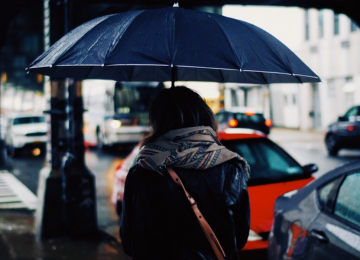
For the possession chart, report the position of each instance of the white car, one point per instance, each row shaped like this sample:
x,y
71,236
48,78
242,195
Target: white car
x,y
25,131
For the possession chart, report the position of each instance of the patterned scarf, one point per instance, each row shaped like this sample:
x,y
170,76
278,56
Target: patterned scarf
x,y
190,148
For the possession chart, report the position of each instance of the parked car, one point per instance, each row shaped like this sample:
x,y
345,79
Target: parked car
x,y
121,172
321,220
243,118
345,132
25,131
273,172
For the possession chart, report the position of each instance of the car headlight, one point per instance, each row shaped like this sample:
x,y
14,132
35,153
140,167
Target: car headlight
x,y
115,123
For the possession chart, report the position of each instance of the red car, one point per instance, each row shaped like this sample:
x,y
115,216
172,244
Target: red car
x,y
121,172
273,173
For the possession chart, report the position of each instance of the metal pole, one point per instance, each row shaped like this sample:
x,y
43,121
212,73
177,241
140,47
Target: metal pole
x,y
67,201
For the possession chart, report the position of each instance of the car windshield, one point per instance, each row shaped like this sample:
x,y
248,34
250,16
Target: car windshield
x,y
268,162
28,120
251,118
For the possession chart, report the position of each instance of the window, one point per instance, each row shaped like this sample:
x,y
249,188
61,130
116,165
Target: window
x,y
268,162
336,24
331,88
347,205
222,118
28,120
307,26
326,193
321,24
353,26
351,114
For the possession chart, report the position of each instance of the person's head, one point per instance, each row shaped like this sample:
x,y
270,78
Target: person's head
x,y
178,107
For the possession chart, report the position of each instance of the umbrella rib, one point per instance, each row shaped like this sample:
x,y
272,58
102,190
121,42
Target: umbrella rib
x,y
75,43
108,50
272,50
59,42
227,39
173,70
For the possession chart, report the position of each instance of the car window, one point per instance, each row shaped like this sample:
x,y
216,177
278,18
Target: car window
x,y
267,161
256,118
325,193
221,117
28,120
347,205
351,114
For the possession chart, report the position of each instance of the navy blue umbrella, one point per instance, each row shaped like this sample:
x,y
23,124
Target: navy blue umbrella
x,y
172,44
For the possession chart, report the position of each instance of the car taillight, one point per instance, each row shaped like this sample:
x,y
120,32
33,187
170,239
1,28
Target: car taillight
x,y
248,113
118,167
233,123
268,122
351,128
135,121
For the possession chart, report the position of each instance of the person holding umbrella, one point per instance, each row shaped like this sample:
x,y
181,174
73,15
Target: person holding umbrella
x,y
177,44
182,149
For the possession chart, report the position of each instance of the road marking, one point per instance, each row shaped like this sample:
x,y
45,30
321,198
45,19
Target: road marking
x,y
14,194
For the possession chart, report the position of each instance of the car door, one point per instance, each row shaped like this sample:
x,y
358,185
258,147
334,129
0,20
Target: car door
x,y
273,173
335,234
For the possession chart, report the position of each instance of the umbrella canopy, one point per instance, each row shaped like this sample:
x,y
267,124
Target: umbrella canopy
x,y
172,44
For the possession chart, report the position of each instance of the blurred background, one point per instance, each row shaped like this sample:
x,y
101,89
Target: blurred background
x,y
304,119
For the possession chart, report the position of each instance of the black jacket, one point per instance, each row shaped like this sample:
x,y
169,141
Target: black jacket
x,y
157,222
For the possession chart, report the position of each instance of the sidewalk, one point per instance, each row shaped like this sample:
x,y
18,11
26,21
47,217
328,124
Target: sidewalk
x,y
18,239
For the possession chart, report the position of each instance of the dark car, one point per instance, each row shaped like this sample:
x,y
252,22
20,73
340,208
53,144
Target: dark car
x,y
321,220
243,118
345,132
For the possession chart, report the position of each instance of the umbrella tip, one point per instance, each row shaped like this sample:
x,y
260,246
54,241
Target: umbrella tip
x,y
176,3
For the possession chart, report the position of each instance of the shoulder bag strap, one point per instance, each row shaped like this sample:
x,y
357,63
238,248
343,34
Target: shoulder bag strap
x,y
214,242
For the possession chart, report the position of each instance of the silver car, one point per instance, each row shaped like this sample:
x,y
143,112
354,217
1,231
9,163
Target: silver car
x,y
321,220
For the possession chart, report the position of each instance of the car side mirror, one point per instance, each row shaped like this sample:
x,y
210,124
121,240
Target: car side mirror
x,y
310,168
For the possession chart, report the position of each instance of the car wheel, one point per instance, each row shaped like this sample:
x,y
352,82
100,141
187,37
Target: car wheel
x,y
332,145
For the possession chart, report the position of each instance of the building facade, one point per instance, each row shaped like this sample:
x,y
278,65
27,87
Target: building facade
x,y
330,46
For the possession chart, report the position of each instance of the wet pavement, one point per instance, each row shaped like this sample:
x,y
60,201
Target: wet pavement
x,y
19,240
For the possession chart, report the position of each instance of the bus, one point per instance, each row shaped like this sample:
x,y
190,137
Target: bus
x,y
116,113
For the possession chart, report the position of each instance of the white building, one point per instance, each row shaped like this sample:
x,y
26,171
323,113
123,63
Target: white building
x,y
328,43
331,47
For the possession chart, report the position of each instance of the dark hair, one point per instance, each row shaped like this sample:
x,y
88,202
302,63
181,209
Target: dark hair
x,y
178,107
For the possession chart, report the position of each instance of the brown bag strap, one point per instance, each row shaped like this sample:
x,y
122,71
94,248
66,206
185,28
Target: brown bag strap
x,y
214,242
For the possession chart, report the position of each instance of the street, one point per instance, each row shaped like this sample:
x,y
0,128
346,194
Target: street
x,y
309,147
305,148
309,150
